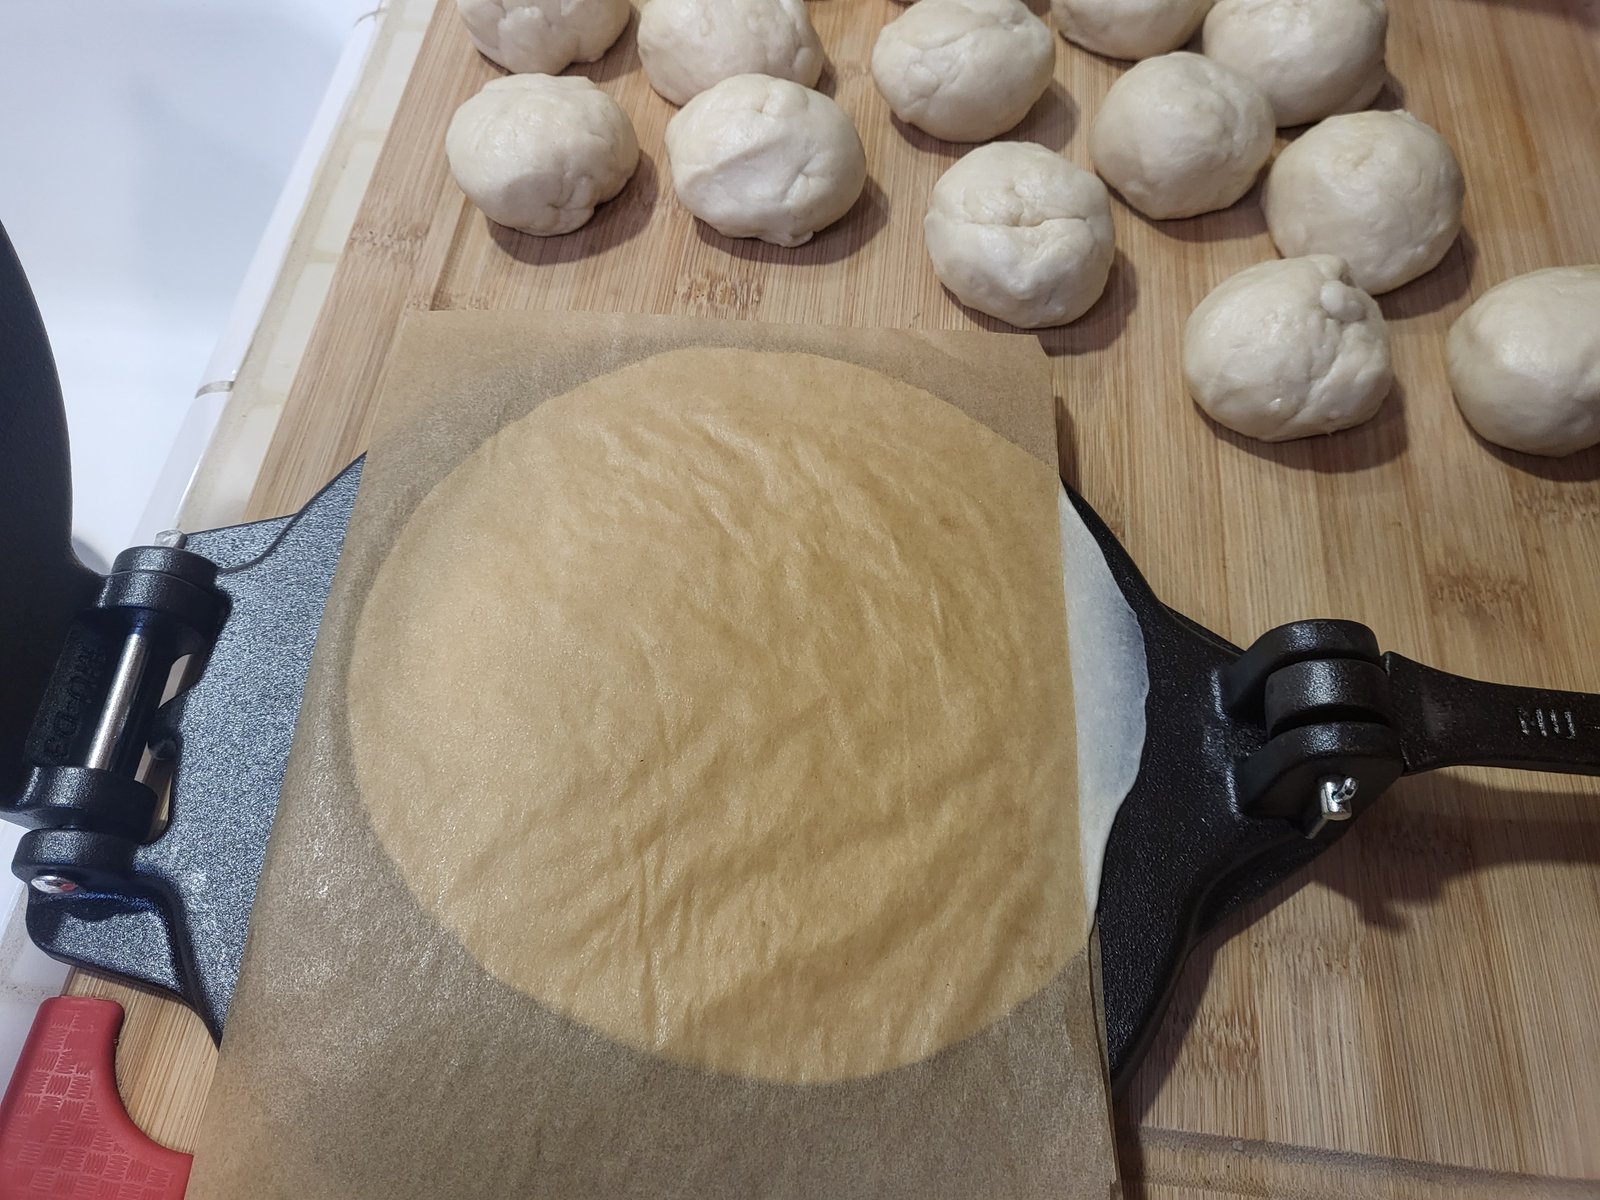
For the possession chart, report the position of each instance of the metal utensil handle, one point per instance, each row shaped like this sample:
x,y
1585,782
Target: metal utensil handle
x,y
1447,720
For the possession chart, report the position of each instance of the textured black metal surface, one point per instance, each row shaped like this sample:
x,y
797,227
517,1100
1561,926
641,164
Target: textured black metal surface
x,y
1449,720
179,917
60,796
1326,690
1181,855
1244,680
42,585
1282,779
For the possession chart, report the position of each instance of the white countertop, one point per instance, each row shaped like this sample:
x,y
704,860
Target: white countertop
x,y
156,158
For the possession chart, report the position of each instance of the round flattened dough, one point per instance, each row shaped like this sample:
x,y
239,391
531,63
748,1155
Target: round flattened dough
x,y
686,46
1312,58
760,157
1524,361
1180,135
1380,190
543,37
1129,28
654,617
963,70
538,152
1018,232
1288,349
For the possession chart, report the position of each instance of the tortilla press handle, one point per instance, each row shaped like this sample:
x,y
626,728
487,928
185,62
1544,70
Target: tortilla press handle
x,y
1449,720
63,1130
1255,764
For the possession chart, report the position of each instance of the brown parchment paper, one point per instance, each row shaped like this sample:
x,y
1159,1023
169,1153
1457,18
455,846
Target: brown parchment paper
x,y
370,1053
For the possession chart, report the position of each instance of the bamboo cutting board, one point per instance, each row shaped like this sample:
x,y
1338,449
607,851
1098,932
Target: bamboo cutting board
x,y
1419,1015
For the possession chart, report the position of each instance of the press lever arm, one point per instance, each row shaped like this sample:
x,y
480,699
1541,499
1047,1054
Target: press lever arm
x,y
1446,720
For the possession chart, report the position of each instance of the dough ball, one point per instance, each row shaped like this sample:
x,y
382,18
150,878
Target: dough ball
x,y
1287,349
1018,232
1524,361
1379,189
1312,58
1129,28
543,37
964,70
759,157
1181,135
688,45
538,152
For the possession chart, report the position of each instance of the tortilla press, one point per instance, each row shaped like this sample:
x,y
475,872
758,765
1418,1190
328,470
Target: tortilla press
x,y
1255,762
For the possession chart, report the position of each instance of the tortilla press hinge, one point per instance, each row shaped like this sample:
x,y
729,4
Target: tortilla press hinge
x,y
1343,722
1319,692
85,807
167,903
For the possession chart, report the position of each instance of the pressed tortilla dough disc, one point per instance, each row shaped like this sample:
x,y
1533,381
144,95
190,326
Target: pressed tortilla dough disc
x,y
736,726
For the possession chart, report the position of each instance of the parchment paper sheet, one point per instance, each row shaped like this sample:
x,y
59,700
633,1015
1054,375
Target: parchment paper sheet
x,y
367,1055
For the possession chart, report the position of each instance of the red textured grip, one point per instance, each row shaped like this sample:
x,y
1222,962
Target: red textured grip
x,y
64,1134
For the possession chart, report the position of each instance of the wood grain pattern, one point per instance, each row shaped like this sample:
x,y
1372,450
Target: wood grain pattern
x,y
1417,1016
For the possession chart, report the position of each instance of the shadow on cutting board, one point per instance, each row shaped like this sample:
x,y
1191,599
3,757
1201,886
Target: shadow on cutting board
x,y
618,62
837,242
1423,834
1095,330
1439,288
1370,444
1051,122
616,221
1576,11
1582,467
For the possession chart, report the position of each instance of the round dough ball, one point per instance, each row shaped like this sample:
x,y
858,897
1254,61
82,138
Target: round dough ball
x,y
543,37
760,157
688,45
1018,232
538,152
1129,28
1287,349
1312,58
1181,135
963,70
1381,190
1524,361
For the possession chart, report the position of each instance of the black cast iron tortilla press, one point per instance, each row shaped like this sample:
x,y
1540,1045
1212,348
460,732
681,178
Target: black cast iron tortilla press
x,y
1254,761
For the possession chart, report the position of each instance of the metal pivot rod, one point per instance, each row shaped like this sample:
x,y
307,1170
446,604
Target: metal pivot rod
x,y
86,808
125,682
113,723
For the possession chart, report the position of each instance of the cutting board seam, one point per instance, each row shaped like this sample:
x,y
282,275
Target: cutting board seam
x,y
1214,1162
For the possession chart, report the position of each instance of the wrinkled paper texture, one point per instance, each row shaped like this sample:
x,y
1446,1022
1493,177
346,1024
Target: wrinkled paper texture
x,y
669,813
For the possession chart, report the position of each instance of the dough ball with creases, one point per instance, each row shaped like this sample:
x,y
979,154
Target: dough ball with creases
x,y
1288,349
1181,135
538,152
1381,190
1129,28
963,70
688,45
1524,361
1313,58
1018,232
543,37
766,158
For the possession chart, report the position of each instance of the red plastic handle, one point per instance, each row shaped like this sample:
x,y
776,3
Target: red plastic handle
x,y
64,1134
